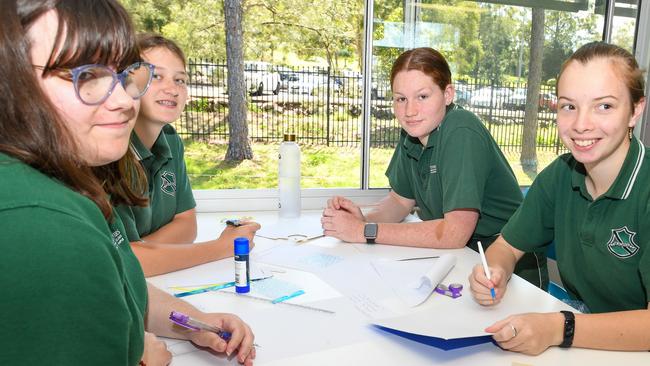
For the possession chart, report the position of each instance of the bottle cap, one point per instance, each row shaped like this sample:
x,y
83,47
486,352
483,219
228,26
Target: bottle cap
x,y
241,246
289,137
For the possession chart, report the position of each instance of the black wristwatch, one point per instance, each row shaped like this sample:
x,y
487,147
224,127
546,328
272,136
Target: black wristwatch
x,y
370,232
569,328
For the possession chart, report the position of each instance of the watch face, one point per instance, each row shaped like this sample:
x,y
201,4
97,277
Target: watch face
x,y
370,230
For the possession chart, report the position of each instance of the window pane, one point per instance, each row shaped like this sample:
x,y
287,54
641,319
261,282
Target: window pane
x,y
302,76
488,45
624,23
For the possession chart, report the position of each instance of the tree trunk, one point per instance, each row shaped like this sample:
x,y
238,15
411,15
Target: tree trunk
x,y
528,157
239,147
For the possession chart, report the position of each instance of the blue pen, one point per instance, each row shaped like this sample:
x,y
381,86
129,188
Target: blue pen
x,y
190,323
287,297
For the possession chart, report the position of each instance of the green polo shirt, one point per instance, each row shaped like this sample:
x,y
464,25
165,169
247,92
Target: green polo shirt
x,y
169,188
74,293
462,167
601,245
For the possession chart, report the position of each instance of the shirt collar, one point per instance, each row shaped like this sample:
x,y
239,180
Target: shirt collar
x,y
159,148
626,178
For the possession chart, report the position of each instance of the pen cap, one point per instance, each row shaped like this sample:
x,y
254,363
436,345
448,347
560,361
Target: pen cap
x,y
241,246
178,317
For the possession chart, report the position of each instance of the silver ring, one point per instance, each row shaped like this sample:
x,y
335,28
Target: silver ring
x,y
514,331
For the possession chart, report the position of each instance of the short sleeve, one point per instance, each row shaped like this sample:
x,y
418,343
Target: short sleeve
x,y
398,172
532,225
464,169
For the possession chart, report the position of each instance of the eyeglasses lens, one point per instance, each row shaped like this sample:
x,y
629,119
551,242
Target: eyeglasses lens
x,y
95,83
136,79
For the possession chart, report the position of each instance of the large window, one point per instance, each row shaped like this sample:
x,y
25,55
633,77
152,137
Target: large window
x,y
305,73
488,45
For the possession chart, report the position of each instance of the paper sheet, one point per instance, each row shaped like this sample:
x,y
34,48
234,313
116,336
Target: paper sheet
x,y
306,257
414,281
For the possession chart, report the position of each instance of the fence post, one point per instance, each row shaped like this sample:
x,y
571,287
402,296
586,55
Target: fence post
x,y
327,108
491,99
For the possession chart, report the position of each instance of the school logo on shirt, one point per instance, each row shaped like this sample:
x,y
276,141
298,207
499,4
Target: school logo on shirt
x,y
118,238
168,183
433,169
622,244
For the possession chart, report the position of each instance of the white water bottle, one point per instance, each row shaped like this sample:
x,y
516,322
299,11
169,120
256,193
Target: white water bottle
x,y
289,177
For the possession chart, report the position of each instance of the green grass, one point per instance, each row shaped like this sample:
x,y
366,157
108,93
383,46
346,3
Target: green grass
x,y
322,166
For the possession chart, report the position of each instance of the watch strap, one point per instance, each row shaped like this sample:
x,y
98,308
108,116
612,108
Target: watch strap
x,y
569,328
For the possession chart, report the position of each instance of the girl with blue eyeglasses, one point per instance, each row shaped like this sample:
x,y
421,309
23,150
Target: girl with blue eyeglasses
x,y
74,293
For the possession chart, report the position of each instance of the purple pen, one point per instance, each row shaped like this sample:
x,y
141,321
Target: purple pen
x,y
190,323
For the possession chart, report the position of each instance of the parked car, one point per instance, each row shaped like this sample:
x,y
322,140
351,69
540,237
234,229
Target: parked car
x,y
287,75
517,101
548,101
261,77
462,95
309,83
379,88
206,73
489,97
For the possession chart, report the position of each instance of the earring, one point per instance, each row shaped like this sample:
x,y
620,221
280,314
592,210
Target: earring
x,y
630,133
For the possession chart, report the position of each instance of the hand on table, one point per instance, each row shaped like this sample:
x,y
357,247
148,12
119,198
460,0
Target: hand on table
x,y
241,340
530,333
343,220
344,204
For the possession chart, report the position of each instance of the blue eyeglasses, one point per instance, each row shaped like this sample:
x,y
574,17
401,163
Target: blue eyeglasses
x,y
94,83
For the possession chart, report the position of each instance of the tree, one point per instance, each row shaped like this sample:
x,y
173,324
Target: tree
x,y
198,27
328,29
528,157
564,33
238,145
495,33
459,39
149,15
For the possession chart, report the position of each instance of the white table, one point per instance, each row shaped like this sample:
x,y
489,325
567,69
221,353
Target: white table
x,y
293,336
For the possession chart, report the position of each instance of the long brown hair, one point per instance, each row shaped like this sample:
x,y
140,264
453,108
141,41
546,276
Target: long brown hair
x,y
427,60
32,129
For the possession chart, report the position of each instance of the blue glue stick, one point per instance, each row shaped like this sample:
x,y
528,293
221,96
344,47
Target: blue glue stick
x,y
242,273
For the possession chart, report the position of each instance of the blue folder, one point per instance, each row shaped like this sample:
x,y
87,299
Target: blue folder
x,y
444,344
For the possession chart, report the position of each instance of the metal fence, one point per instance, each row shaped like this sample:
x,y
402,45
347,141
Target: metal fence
x,y
323,107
